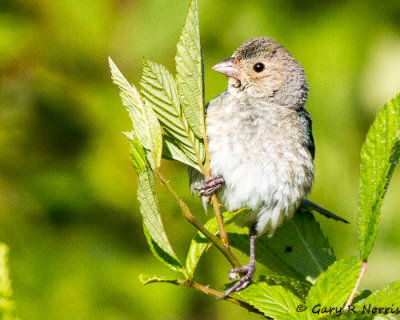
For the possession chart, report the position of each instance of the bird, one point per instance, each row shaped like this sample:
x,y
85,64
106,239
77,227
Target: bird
x,y
260,143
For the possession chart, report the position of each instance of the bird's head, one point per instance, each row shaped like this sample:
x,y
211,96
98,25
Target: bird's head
x,y
262,69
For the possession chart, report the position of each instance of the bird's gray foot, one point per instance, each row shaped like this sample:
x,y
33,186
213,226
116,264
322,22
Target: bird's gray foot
x,y
244,282
210,186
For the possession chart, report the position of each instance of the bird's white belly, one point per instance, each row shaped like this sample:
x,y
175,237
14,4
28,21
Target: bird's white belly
x,y
260,173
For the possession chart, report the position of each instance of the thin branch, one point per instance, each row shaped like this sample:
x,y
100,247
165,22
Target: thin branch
x,y
191,218
214,200
355,289
218,294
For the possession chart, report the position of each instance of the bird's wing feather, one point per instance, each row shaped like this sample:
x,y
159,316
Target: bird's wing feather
x,y
196,179
312,206
307,123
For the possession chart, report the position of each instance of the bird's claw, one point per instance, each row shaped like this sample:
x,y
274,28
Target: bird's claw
x,y
210,186
244,282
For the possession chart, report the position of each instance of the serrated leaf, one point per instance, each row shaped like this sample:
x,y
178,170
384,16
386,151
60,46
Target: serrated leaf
x,y
152,278
138,154
160,92
333,287
168,258
171,151
145,124
152,224
200,243
189,69
379,156
274,301
388,296
155,137
298,249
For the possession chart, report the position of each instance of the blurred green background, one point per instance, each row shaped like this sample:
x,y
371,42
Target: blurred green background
x,y
67,193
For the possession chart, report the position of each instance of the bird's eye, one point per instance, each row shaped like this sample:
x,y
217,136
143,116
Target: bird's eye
x,y
258,67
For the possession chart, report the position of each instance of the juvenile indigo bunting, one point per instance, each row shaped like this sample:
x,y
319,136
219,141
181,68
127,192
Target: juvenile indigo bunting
x,y
261,146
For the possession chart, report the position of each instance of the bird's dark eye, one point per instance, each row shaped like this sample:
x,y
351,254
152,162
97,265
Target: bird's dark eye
x,y
258,67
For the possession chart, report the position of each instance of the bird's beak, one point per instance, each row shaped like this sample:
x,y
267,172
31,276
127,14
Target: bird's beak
x,y
228,68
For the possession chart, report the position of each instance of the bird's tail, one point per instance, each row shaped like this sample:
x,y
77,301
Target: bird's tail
x,y
312,206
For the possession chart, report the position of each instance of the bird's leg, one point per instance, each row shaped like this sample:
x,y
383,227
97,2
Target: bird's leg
x,y
248,269
211,185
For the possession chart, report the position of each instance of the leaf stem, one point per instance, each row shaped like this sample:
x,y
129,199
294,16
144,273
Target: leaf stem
x,y
190,217
355,289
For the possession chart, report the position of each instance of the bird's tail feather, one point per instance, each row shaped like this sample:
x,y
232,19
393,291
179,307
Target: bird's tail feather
x,y
312,206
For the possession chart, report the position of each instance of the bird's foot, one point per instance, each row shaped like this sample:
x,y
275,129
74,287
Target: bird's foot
x,y
210,186
244,282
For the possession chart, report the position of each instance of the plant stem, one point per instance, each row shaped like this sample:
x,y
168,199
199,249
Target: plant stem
x,y
191,218
214,200
218,294
355,289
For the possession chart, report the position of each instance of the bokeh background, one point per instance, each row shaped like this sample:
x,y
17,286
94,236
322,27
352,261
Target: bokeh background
x,y
67,193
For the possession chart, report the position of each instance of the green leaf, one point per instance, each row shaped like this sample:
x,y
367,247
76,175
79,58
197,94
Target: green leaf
x,y
200,243
172,151
344,315
129,135
333,287
152,278
298,249
168,258
361,316
7,306
362,294
152,224
299,288
160,92
274,301
368,308
138,155
145,124
379,156
189,69
388,296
